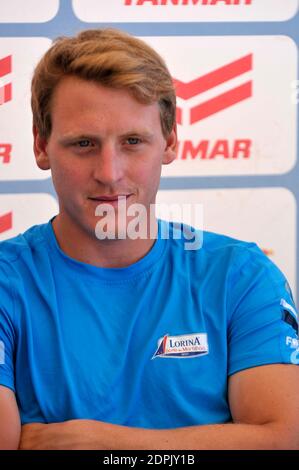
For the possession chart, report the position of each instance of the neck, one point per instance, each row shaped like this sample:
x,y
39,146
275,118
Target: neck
x,y
86,248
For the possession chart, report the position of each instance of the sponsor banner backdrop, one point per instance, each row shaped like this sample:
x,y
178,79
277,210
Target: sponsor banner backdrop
x,y
184,10
235,111
18,212
28,11
235,67
266,216
16,155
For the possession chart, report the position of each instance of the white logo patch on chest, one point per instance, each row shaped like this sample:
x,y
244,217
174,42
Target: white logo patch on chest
x,y
182,346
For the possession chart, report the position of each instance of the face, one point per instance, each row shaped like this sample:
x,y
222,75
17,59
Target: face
x,y
103,145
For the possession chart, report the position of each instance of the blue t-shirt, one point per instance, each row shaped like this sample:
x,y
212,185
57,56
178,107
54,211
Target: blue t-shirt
x,y
150,345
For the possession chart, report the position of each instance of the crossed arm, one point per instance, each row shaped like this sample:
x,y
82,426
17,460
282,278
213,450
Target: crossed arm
x,y
263,402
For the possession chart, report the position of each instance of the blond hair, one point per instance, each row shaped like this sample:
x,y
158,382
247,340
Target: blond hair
x,y
110,57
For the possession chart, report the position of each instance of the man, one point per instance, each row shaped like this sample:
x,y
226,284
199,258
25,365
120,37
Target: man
x,y
112,341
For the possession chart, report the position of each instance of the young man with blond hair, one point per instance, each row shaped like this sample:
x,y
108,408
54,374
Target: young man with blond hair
x,y
112,341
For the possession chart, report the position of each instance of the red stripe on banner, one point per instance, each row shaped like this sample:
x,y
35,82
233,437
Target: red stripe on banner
x,y
5,66
213,79
6,93
221,102
5,222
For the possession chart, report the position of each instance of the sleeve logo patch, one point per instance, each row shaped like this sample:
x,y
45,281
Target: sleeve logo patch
x,y
182,346
289,315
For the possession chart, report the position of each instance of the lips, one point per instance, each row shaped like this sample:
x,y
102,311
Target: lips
x,y
110,198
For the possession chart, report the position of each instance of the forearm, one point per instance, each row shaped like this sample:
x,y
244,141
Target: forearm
x,y
97,435
224,436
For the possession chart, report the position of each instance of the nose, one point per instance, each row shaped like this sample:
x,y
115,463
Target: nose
x,y
109,165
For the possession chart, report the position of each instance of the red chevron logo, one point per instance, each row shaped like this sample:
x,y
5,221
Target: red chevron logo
x,y
5,69
5,222
211,80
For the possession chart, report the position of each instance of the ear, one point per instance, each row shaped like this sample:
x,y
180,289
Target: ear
x,y
40,150
170,152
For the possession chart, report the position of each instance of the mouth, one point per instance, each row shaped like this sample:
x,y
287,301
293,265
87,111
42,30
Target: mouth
x,y
114,199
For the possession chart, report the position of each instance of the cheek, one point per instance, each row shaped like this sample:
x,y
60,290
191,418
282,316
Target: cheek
x,y
66,180
148,180
67,173
148,172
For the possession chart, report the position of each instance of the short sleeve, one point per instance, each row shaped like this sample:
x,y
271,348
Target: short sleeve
x,y
7,333
263,322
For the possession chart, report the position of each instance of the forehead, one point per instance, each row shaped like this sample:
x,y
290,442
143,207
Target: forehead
x,y
83,103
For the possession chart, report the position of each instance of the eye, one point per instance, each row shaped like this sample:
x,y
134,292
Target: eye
x,y
133,140
83,143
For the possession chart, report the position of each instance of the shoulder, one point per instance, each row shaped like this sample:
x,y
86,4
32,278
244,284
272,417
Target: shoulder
x,y
13,249
19,257
205,243
245,261
221,255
